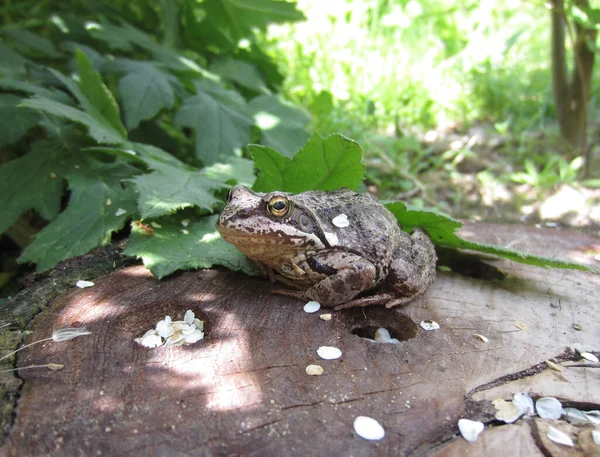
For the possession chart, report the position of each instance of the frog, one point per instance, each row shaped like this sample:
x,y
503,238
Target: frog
x,y
339,248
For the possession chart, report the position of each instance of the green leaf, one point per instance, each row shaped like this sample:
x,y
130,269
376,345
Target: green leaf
x,y
221,126
176,247
240,72
144,93
36,89
98,94
234,169
101,132
322,164
283,125
98,206
30,41
168,189
15,121
441,228
127,37
11,63
34,181
238,18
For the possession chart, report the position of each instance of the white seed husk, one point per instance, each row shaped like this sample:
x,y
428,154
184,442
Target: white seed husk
x,y
506,411
469,429
312,307
314,370
559,437
368,428
329,352
590,357
325,317
83,284
596,437
548,408
524,403
429,325
341,220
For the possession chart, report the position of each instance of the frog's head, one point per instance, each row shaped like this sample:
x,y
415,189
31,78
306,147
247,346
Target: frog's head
x,y
270,228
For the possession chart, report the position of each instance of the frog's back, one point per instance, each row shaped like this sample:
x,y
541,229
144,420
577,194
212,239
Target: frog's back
x,y
372,231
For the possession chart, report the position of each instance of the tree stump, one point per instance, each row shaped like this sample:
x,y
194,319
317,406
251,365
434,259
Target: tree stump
x,y
243,389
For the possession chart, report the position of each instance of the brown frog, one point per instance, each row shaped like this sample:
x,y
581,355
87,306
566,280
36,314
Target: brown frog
x,y
330,246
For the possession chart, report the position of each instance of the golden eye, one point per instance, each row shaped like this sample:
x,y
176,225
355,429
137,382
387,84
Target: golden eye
x,y
278,206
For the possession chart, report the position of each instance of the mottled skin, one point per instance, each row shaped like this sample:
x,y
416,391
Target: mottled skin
x,y
301,247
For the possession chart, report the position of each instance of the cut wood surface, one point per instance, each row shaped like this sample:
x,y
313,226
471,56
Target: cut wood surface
x,y
243,390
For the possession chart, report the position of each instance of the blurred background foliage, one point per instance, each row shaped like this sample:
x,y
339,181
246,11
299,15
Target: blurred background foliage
x,y
452,102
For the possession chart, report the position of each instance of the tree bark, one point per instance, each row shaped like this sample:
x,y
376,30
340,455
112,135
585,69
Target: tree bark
x,y
571,96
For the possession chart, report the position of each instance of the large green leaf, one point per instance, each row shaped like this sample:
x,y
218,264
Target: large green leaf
x,y
100,131
15,120
31,42
144,92
221,124
441,228
11,63
182,244
240,72
98,206
100,97
169,189
283,125
322,164
237,19
34,181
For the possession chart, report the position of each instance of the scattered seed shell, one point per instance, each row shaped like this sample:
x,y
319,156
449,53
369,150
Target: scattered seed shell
x,y
312,307
590,357
325,317
341,221
83,284
331,238
368,428
429,325
329,353
575,417
596,437
559,437
481,337
524,403
521,326
553,366
506,411
469,429
55,366
314,370
120,212
593,416
382,335
549,408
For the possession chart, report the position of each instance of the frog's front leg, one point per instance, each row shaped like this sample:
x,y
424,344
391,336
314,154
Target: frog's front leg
x,y
348,275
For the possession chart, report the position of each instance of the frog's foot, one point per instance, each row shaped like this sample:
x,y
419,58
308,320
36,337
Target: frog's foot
x,y
378,299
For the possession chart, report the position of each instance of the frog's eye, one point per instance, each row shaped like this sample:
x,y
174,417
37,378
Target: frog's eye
x,y
278,206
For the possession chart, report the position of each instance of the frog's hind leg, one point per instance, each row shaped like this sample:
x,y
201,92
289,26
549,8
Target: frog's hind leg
x,y
378,299
412,277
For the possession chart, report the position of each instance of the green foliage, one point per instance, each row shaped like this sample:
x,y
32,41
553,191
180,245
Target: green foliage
x,y
551,172
98,206
65,86
442,230
322,164
180,243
